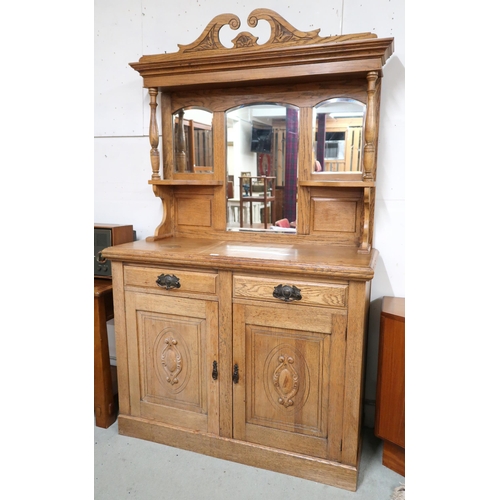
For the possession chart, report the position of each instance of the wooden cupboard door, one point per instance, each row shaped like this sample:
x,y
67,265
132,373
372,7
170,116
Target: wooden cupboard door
x,y
291,378
172,343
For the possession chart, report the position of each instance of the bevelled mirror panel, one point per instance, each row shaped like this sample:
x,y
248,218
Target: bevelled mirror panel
x,y
193,142
262,147
338,136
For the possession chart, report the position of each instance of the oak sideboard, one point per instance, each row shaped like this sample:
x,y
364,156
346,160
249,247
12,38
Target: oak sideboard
x,y
244,337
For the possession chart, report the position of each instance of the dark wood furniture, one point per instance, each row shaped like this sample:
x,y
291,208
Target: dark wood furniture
x,y
249,346
105,406
390,403
106,235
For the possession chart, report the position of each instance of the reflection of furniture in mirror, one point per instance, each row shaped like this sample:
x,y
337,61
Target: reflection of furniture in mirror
x,y
231,203
259,190
342,148
249,345
193,142
263,141
279,196
200,146
339,135
230,188
180,143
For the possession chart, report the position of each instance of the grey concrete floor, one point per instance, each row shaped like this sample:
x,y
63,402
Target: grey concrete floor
x,y
129,468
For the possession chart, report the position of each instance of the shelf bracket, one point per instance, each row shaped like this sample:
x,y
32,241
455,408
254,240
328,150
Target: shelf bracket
x,y
368,206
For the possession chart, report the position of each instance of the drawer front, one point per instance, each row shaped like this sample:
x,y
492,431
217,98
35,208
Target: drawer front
x,y
189,281
312,294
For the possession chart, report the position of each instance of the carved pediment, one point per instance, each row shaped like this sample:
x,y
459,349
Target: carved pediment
x,y
282,32
288,54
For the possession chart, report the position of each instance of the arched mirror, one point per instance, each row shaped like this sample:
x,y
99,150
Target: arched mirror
x,y
193,143
262,146
338,137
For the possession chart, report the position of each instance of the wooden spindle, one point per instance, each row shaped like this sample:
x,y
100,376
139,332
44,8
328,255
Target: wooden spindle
x,y
153,134
370,128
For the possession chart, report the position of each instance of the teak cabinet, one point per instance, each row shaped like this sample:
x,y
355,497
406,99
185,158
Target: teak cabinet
x,y
249,345
390,409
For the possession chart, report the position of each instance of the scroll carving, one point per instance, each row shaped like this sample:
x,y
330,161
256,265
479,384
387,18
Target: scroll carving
x,y
286,378
171,361
365,246
282,32
286,381
209,39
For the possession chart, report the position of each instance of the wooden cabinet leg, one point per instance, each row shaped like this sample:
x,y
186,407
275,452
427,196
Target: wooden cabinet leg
x,y
104,404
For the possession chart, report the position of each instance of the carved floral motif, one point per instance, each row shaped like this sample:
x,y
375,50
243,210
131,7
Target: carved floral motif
x,y
171,361
286,381
245,39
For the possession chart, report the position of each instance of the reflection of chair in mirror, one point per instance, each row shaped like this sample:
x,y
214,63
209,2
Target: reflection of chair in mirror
x,y
233,205
259,190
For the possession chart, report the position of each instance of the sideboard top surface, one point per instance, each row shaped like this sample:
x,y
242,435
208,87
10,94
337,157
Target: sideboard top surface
x,y
318,259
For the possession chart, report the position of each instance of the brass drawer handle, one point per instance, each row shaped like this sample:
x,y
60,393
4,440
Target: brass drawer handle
x,y
287,293
168,281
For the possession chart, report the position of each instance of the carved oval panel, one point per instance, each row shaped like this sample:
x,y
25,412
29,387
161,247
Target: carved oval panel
x,y
286,378
171,360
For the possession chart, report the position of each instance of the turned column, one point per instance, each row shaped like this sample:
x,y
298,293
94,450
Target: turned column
x,y
153,135
370,129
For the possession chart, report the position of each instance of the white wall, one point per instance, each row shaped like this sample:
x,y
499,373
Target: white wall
x,y
126,30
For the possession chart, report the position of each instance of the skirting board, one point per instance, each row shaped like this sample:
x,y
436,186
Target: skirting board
x,y
293,464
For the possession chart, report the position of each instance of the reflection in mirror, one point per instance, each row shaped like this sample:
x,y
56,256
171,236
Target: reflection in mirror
x,y
193,145
262,146
338,136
